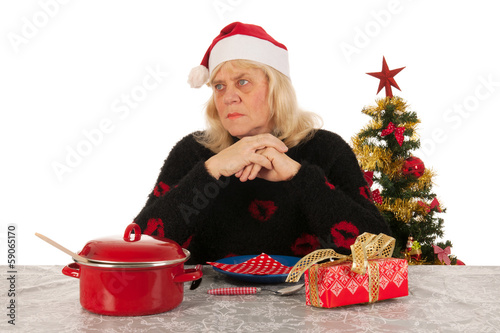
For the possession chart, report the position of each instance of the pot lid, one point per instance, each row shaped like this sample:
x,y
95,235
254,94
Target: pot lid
x,y
134,248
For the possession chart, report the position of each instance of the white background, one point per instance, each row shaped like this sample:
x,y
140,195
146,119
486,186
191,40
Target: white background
x,y
67,67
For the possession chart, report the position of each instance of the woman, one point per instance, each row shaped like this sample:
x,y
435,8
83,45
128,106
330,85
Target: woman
x,y
261,178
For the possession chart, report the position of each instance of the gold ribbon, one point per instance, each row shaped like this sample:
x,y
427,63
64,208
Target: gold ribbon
x,y
366,247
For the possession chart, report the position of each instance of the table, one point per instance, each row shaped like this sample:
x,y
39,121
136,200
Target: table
x,y
442,299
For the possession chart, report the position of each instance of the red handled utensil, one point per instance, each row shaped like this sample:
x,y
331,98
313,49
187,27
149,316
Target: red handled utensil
x,y
253,290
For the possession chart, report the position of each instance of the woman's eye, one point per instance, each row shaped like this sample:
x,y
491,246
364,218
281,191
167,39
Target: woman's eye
x,y
242,82
218,86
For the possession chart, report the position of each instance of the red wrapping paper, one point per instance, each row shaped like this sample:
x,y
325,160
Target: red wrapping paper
x,y
331,286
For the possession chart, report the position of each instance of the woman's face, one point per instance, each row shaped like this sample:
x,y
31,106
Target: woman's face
x,y
241,100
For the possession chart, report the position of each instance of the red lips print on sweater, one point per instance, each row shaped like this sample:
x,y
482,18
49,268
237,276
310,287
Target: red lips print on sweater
x,y
262,210
344,234
161,189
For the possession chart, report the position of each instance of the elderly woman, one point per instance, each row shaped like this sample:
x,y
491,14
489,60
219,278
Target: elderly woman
x,y
261,177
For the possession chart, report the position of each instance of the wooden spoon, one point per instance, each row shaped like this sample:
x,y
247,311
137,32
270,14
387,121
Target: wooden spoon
x,y
62,248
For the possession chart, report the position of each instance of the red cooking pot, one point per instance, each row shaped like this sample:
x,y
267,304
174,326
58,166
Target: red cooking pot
x,y
132,276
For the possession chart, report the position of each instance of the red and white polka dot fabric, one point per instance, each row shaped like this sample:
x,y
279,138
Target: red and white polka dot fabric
x,y
263,264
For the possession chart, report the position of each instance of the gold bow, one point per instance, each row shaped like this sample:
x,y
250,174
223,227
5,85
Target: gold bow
x,y
367,246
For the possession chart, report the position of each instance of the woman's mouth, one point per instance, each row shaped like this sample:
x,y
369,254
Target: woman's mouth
x,y
234,115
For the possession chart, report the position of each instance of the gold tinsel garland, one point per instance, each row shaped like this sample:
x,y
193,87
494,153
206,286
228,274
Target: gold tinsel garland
x,y
393,169
406,209
371,157
376,111
403,209
424,181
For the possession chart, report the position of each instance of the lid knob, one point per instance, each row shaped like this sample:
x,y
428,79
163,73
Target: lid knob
x,y
127,236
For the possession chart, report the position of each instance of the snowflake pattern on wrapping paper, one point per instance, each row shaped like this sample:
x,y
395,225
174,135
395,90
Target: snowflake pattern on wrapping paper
x,y
342,278
328,281
337,288
361,280
400,278
388,270
383,281
352,286
321,289
324,276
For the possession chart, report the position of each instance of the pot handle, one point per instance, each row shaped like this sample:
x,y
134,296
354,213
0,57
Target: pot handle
x,y
128,232
189,275
72,270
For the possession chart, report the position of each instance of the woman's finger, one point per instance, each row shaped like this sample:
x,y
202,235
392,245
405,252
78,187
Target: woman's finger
x,y
261,160
254,172
245,173
261,141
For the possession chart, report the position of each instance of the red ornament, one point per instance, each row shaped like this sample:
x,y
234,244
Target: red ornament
x,y
413,167
417,256
386,77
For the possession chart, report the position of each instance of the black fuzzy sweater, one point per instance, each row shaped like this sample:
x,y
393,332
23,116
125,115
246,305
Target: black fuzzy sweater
x,y
326,205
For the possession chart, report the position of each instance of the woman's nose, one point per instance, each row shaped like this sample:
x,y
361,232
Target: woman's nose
x,y
231,96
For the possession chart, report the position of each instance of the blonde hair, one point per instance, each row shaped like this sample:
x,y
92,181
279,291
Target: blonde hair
x,y
291,124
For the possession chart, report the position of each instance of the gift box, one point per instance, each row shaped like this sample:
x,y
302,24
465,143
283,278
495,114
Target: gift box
x,y
368,274
331,285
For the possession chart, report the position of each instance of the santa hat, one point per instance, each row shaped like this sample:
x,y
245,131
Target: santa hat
x,y
240,41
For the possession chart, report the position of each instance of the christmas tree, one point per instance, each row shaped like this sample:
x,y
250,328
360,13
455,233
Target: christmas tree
x,y
399,183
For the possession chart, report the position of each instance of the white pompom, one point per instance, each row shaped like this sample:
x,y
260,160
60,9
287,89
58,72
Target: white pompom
x,y
198,76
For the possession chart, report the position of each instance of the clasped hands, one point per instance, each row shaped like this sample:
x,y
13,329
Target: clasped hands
x,y
261,156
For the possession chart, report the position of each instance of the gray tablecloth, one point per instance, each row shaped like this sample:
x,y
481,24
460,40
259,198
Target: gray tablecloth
x,y
442,299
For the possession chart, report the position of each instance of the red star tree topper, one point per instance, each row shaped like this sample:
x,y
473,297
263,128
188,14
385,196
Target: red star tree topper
x,y
386,77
